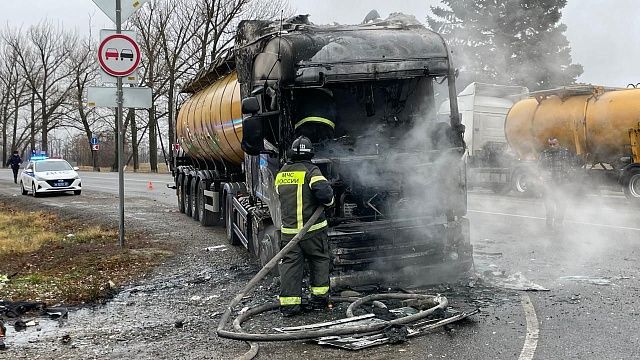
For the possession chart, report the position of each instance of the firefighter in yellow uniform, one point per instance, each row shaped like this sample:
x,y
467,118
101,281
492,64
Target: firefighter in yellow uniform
x,y
302,188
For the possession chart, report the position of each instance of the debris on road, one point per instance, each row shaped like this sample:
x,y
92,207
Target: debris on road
x,y
515,281
216,248
587,279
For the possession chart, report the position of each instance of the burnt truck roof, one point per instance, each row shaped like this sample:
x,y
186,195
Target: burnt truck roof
x,y
299,53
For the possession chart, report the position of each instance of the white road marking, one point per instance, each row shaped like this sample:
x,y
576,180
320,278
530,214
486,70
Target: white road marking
x,y
567,221
531,340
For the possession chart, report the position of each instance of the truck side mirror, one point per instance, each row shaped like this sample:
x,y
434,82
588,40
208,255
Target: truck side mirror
x,y
252,137
250,105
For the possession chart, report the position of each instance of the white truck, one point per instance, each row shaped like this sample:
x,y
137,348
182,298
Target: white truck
x,y
490,162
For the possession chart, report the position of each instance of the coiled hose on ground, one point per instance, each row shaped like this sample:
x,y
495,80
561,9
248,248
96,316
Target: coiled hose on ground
x,y
239,334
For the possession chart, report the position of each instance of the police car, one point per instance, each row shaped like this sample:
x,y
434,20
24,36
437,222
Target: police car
x,y
43,175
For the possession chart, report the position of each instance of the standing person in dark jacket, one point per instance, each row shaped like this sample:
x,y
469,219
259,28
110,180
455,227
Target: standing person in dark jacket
x,y
557,165
301,188
14,161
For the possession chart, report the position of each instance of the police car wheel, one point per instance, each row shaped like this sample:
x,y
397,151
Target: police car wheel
x,y
33,190
24,192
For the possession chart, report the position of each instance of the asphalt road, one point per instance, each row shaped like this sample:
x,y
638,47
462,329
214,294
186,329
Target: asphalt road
x,y
149,185
591,310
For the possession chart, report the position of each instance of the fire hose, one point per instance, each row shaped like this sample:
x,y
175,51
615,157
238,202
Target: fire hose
x,y
239,334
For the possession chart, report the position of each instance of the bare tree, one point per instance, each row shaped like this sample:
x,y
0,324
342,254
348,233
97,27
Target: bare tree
x,y
43,61
149,23
84,72
13,97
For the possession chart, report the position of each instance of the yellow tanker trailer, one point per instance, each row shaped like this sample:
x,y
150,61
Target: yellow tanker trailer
x,y
600,125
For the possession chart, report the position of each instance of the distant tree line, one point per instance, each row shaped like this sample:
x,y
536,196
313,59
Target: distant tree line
x,y
519,42
46,69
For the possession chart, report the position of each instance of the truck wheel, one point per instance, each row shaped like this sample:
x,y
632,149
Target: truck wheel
x,y
520,182
207,218
186,196
257,234
232,238
269,247
194,198
180,193
631,184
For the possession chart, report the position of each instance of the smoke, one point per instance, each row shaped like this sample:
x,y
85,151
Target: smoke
x,y
397,162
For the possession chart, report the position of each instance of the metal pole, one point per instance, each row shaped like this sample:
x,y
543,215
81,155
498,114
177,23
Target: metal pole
x,y
120,137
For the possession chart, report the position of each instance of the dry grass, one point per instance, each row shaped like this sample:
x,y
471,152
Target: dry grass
x,y
48,259
22,232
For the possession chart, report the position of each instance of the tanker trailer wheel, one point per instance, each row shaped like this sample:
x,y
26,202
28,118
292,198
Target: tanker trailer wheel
x,y
521,182
195,181
631,184
180,193
207,218
186,197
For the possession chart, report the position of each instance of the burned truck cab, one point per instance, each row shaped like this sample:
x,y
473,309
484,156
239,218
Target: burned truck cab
x,y
365,95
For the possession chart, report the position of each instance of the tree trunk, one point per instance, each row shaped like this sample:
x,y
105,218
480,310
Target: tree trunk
x,y
153,140
134,140
33,122
44,128
4,141
14,134
170,116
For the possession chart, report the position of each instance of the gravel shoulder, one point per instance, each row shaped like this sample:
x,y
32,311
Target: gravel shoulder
x,y
172,312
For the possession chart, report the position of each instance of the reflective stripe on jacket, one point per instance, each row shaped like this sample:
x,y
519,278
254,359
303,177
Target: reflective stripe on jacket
x,y
302,187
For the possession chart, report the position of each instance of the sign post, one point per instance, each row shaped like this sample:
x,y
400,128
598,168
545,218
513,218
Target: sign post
x,y
119,57
120,132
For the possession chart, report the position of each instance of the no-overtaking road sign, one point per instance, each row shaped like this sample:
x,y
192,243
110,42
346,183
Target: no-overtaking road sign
x,y
118,54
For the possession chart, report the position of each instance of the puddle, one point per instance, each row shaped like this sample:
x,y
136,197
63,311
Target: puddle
x,y
45,328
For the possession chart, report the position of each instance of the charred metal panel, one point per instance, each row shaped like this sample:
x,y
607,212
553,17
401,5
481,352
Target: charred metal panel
x,y
407,252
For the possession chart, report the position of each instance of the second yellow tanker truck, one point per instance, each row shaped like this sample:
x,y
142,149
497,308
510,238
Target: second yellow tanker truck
x,y
507,127
600,125
365,95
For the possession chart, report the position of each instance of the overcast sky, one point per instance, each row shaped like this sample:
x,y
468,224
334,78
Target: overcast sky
x,y
603,33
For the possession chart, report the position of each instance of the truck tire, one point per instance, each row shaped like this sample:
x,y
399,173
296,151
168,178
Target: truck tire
x,y
195,182
269,247
207,218
520,182
631,184
186,197
232,238
180,192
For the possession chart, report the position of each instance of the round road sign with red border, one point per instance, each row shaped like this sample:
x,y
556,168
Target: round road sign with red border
x,y
119,55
